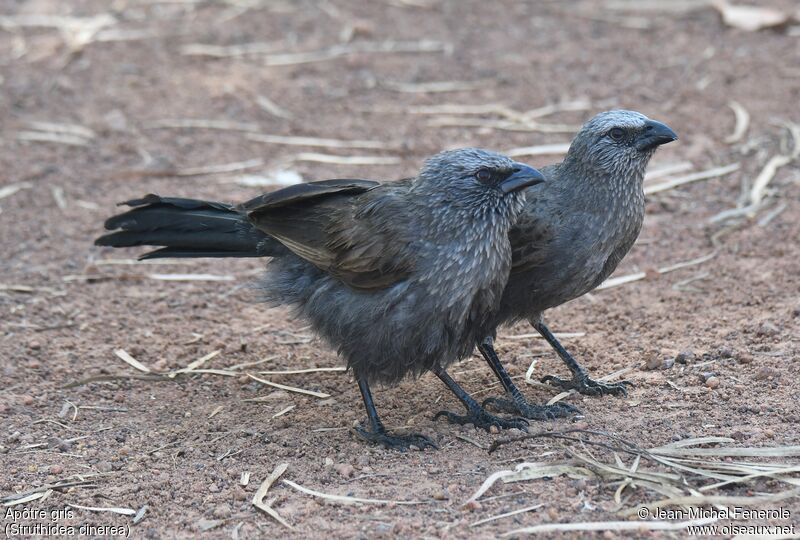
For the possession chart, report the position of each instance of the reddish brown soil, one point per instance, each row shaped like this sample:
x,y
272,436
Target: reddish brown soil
x,y
159,441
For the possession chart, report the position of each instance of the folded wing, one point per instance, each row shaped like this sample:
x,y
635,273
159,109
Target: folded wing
x,y
353,229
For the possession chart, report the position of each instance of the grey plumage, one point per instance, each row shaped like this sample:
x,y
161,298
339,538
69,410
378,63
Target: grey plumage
x,y
574,230
579,225
411,273
401,278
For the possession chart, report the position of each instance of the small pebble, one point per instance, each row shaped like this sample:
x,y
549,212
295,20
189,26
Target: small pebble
x,y
668,363
653,362
766,373
494,430
744,357
767,329
706,375
56,469
222,511
439,495
684,357
328,462
472,506
104,467
712,382
345,470
27,399
725,352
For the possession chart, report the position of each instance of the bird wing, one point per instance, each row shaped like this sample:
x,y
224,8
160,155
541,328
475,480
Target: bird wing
x,y
529,237
348,228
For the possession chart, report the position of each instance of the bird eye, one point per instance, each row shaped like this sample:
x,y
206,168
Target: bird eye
x,y
616,134
484,176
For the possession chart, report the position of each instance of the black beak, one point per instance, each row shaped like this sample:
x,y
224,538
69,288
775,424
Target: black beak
x,y
654,135
522,177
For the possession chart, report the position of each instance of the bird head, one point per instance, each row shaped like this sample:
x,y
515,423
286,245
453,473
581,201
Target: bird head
x,y
475,174
618,143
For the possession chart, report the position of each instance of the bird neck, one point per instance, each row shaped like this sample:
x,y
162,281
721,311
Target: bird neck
x,y
623,179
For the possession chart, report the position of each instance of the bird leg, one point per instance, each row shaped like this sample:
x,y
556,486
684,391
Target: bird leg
x,y
518,404
377,432
580,381
476,414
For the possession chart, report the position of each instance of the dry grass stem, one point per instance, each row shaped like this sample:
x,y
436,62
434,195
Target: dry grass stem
x,y
622,280
229,51
435,87
317,141
59,138
283,411
504,125
258,497
290,388
130,360
611,526
505,515
200,123
559,335
273,108
190,277
123,511
192,366
342,498
776,162
689,178
310,370
339,51
9,190
665,170
221,168
345,160
742,122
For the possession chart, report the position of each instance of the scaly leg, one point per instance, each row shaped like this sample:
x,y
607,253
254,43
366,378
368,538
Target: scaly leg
x,y
476,415
518,404
377,432
580,380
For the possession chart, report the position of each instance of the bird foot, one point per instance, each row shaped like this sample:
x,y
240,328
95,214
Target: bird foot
x,y
401,443
482,419
532,412
587,386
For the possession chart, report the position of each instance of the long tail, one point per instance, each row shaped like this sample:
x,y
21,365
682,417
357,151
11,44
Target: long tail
x,y
186,228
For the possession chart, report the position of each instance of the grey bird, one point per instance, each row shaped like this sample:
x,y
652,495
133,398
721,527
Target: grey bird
x,y
575,229
400,278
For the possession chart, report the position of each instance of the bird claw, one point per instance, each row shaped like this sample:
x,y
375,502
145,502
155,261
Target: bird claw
x,y
583,384
484,420
401,443
532,412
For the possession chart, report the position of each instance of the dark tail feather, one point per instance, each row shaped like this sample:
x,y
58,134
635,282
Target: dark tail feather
x,y
186,228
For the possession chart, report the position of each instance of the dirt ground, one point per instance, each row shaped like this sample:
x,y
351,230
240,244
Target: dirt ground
x,y
119,80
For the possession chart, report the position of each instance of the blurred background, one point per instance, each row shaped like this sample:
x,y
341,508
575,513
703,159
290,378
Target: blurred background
x,y
105,100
